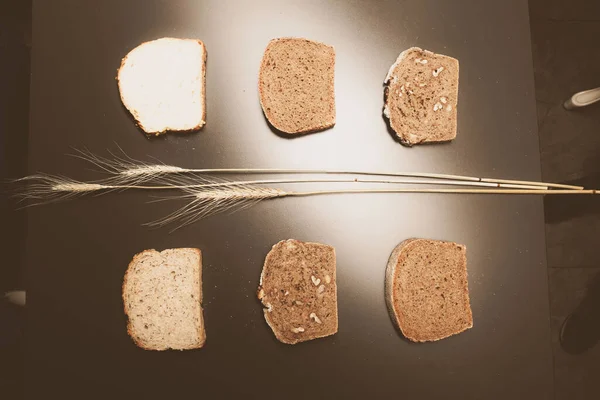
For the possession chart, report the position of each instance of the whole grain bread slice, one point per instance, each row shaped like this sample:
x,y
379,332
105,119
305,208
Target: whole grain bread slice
x,y
162,293
296,85
421,97
299,292
426,289
163,85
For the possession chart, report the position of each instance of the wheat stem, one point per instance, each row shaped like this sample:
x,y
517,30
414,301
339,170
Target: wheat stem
x,y
295,181
55,185
126,169
220,199
455,191
157,169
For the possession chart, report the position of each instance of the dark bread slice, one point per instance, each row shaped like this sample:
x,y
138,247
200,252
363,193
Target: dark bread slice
x,y
162,295
426,289
299,292
296,85
421,97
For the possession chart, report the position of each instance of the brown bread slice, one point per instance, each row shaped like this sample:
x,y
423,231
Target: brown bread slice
x,y
426,289
421,97
298,290
162,292
296,85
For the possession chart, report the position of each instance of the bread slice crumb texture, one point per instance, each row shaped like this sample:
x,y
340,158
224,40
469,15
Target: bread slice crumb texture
x,y
427,289
296,85
162,84
298,291
162,293
421,97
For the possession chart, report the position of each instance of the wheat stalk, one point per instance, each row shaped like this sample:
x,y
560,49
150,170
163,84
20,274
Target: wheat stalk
x,y
210,195
128,171
42,188
205,203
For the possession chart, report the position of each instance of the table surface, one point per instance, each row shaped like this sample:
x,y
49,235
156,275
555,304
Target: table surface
x,y
79,250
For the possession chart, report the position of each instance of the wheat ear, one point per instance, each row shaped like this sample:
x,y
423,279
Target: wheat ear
x,y
44,188
217,200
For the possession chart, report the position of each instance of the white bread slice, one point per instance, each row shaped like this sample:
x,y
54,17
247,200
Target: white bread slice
x,y
421,97
426,289
162,84
298,288
162,293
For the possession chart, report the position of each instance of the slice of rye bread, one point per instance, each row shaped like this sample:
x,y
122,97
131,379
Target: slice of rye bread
x,y
299,292
296,85
162,292
163,84
426,289
421,97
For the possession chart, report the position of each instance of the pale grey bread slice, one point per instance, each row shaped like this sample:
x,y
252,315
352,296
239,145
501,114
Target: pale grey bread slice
x,y
162,83
162,292
296,85
299,292
421,97
426,289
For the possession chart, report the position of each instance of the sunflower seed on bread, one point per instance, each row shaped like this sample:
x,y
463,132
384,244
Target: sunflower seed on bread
x,y
306,312
421,97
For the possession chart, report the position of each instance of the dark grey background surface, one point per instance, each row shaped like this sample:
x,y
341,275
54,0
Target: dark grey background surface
x,y
77,343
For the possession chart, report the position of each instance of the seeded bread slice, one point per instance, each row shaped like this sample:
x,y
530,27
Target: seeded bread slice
x,y
162,292
426,289
298,290
162,83
421,97
296,85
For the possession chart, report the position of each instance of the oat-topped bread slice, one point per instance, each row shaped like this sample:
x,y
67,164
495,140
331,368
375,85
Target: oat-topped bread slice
x,y
162,292
421,97
162,84
296,85
426,289
299,292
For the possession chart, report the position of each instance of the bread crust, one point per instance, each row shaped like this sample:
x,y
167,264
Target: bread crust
x,y
130,331
390,272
